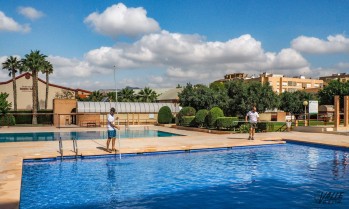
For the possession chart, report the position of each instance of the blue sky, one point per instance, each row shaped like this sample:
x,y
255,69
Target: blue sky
x,y
163,43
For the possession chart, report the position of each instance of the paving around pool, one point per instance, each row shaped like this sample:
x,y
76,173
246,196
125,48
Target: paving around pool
x,y
12,154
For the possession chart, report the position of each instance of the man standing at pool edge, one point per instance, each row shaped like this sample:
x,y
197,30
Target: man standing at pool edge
x,y
253,117
111,129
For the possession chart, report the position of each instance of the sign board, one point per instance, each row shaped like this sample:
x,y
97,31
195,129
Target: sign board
x,y
313,107
151,116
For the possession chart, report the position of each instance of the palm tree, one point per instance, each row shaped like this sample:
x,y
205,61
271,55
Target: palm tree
x,y
34,62
147,95
111,96
48,69
96,96
12,64
126,95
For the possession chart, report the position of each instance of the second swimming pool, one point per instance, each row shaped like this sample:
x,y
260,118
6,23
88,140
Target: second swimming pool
x,y
52,136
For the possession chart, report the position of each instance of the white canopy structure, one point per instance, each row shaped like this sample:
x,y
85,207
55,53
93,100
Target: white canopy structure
x,y
124,107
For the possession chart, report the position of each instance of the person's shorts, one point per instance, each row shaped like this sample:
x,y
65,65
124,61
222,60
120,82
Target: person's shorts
x,y
253,125
111,133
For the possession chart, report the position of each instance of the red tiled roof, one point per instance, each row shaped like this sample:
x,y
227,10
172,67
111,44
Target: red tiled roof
x,y
50,84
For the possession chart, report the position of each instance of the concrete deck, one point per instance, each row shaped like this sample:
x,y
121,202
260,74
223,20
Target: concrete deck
x,y
13,153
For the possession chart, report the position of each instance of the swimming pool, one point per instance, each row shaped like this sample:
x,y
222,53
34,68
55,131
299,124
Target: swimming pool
x,y
52,136
270,176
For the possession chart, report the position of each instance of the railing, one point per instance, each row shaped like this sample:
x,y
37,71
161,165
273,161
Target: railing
x,y
61,147
75,146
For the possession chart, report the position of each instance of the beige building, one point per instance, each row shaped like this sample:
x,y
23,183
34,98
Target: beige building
x,y
343,77
24,92
280,84
234,76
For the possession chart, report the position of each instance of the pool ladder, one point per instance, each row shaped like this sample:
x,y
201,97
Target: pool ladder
x,y
75,147
61,147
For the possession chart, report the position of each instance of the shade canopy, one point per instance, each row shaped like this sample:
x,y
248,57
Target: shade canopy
x,y
124,107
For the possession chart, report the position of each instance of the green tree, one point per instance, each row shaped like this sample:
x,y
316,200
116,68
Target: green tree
x,y
12,64
34,62
203,97
48,69
292,102
147,95
242,96
96,96
126,95
5,106
335,87
111,96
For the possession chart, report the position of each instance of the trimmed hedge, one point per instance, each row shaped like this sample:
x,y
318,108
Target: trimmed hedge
x,y
188,121
185,111
165,115
7,120
265,127
27,119
200,117
226,122
212,116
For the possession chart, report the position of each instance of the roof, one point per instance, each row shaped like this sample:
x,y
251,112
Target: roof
x,y
326,108
171,94
124,107
50,84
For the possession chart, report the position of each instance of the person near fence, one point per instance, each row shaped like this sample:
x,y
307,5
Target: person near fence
x,y
253,118
111,129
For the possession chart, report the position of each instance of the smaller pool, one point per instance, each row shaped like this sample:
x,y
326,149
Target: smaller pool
x,y
53,136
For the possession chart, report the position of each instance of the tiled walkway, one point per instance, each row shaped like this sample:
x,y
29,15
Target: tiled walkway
x,y
13,153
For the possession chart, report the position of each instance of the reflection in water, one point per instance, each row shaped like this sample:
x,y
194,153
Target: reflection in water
x,y
340,164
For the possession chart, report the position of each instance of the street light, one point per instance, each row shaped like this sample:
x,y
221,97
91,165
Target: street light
x,y
305,103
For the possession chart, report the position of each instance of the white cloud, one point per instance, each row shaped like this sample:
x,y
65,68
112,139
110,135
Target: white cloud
x,y
66,68
174,49
118,20
289,59
312,45
30,13
9,24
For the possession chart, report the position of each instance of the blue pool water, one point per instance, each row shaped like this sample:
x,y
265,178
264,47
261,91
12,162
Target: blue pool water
x,y
272,176
52,136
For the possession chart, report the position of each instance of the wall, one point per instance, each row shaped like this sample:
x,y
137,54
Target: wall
x,y
24,85
63,106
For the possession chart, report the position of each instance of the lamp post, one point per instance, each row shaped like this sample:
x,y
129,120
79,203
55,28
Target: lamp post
x,y
305,103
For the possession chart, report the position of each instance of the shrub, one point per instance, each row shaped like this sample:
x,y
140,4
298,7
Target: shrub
x,y
188,121
226,122
27,118
212,116
165,115
185,111
7,120
244,128
200,117
262,126
5,106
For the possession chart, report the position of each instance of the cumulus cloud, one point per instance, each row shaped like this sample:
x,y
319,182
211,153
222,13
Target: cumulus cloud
x,y
174,49
65,67
9,24
118,20
30,13
289,59
312,45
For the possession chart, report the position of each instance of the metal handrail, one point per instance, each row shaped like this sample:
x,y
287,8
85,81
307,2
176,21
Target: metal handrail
x,y
75,146
61,147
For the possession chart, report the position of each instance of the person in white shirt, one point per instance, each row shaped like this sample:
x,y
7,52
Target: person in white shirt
x,y
111,129
253,117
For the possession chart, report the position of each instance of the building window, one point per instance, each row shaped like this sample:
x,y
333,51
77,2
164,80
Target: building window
x,y
299,84
284,83
308,85
316,85
278,83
